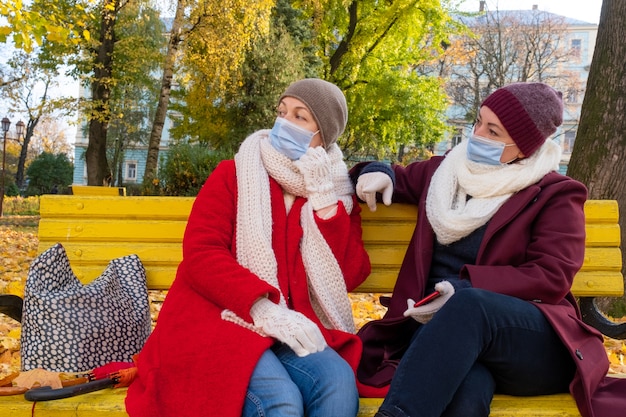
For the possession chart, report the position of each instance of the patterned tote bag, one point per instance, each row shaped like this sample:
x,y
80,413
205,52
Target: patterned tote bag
x,y
71,327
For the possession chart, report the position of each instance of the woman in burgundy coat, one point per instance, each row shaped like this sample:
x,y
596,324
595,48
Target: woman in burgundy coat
x,y
499,235
258,320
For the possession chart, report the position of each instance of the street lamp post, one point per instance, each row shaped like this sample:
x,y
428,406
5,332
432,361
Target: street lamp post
x,y
6,123
19,129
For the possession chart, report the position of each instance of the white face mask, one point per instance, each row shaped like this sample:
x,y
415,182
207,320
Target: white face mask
x,y
290,139
486,151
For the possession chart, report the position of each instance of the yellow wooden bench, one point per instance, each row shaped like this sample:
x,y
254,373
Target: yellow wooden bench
x,y
96,190
96,229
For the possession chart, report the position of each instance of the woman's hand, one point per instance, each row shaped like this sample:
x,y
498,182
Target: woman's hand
x,y
423,314
371,183
288,326
315,166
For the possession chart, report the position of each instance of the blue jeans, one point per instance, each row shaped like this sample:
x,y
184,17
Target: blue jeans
x,y
321,384
479,343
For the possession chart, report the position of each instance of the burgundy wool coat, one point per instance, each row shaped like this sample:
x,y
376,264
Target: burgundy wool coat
x,y
196,364
532,248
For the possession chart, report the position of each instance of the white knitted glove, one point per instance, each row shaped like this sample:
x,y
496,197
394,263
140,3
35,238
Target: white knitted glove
x,y
424,313
371,183
288,326
315,167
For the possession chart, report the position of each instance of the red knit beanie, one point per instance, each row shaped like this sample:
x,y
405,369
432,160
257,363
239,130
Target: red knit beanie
x,y
530,113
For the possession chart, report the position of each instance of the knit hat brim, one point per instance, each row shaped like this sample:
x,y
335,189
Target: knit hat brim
x,y
327,105
515,120
530,113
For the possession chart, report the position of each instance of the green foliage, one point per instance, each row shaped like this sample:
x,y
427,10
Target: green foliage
x,y
12,190
49,172
389,113
187,168
372,51
301,31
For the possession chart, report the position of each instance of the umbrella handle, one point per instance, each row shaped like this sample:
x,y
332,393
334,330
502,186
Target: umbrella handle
x,y
47,393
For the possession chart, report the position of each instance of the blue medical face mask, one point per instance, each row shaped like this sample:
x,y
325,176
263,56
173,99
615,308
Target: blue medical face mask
x,y
290,139
486,151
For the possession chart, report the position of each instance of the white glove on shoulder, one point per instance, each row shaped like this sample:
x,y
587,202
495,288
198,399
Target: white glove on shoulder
x,y
423,314
371,183
315,166
288,326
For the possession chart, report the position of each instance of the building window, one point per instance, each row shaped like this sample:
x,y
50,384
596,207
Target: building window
x,y
568,141
572,96
576,48
130,171
457,137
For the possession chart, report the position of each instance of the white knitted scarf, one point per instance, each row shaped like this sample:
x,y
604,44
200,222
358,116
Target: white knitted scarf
x,y
255,162
450,213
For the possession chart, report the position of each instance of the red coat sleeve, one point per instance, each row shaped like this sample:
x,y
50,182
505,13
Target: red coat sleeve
x,y
209,255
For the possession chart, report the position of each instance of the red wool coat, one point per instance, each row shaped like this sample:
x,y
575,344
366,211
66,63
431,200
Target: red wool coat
x,y
532,248
195,363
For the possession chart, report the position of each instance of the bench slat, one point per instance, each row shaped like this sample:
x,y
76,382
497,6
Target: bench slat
x,y
135,230
558,405
110,403
586,284
136,207
601,211
111,230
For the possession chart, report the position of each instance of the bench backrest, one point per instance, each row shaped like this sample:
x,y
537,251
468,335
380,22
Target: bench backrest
x,y
96,229
95,190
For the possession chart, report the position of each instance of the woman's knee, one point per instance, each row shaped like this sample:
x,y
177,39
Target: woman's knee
x,y
282,400
476,302
271,391
334,392
468,302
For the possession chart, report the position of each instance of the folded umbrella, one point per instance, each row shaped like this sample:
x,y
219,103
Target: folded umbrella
x,y
114,374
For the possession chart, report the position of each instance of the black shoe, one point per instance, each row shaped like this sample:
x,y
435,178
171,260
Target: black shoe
x,y
11,305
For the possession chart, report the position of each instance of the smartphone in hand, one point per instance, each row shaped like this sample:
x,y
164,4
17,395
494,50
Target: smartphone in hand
x,y
427,299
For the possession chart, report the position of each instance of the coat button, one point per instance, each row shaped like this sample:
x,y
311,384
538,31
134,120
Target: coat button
x,y
579,354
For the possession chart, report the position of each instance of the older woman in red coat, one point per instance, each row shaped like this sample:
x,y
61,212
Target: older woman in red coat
x,y
499,238
258,321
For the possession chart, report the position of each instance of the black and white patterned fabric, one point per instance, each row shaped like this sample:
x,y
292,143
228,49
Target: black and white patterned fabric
x,y
71,327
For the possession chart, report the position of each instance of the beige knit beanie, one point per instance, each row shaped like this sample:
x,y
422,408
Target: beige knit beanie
x,y
327,104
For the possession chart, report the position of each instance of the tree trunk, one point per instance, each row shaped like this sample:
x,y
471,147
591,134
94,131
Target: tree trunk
x,y
164,96
21,163
98,172
599,155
